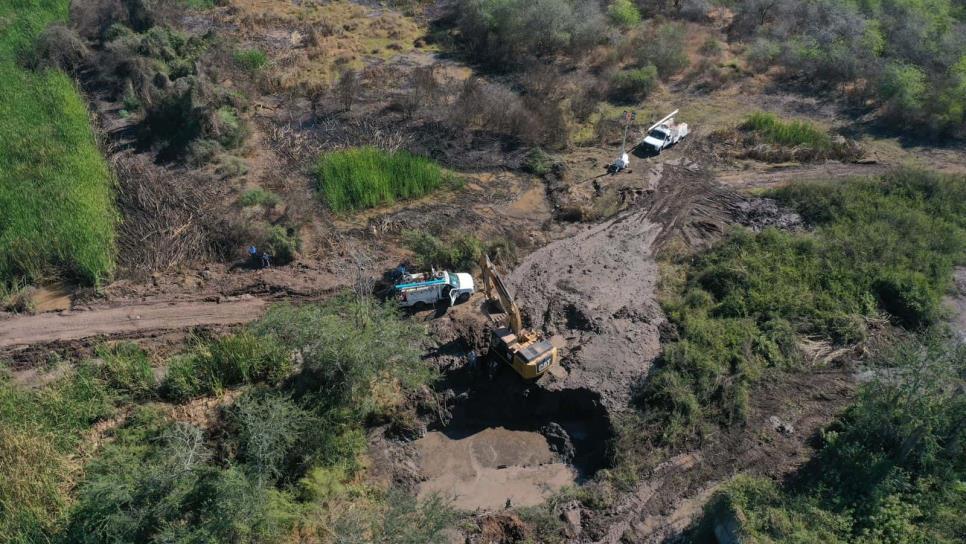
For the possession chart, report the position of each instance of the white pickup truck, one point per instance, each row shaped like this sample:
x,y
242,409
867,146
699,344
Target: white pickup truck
x,y
421,290
665,133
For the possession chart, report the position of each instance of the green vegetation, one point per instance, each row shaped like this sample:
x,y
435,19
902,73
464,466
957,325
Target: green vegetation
x,y
886,244
635,84
259,197
458,252
252,60
662,46
504,33
624,13
786,133
366,177
890,471
283,456
899,55
40,431
225,362
538,162
56,208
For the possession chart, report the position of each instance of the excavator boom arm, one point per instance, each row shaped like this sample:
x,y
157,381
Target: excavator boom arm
x,y
491,281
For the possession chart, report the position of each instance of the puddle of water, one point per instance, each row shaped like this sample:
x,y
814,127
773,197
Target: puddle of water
x,y
54,297
533,202
484,469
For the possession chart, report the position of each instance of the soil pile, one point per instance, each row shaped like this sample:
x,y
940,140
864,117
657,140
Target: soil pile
x,y
597,289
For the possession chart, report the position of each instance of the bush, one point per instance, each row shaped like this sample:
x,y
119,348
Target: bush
x,y
259,197
635,84
505,33
903,88
624,13
252,60
226,362
458,252
663,47
283,244
366,177
346,346
538,162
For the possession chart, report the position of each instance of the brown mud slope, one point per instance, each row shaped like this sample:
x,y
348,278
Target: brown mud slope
x,y
787,412
598,288
139,319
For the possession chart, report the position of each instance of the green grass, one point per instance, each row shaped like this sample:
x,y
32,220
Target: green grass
x,y
252,60
786,133
56,203
355,179
40,430
882,246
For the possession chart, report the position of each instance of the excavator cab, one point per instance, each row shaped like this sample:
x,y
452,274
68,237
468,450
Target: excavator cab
x,y
528,353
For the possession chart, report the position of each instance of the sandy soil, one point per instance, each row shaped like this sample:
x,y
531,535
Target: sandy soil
x,y
490,467
131,318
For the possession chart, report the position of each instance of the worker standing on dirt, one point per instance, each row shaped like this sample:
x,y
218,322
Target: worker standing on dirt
x,y
253,254
266,260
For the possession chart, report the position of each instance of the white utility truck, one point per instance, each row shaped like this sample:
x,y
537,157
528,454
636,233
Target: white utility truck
x,y
421,290
665,133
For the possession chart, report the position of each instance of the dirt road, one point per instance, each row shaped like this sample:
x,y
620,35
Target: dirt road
x,y
46,328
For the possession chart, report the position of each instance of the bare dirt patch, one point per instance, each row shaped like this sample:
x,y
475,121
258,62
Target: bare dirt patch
x,y
127,319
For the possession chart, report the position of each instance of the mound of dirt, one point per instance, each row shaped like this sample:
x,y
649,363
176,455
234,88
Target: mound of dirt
x,y
597,289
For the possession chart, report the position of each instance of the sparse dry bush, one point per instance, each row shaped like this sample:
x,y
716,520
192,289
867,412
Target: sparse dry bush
x,y
347,89
59,47
495,108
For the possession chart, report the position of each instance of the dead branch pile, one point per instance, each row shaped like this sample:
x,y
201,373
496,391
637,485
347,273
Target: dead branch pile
x,y
168,220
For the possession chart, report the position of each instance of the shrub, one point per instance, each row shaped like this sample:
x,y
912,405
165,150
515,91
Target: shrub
x,y
345,347
283,244
635,84
889,470
624,13
268,428
259,197
253,59
538,162
663,47
366,177
458,252
903,87
504,33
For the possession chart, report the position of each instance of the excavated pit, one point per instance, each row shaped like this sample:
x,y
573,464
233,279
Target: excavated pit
x,y
503,440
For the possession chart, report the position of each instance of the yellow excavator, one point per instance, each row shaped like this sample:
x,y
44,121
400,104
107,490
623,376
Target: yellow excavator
x,y
527,352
